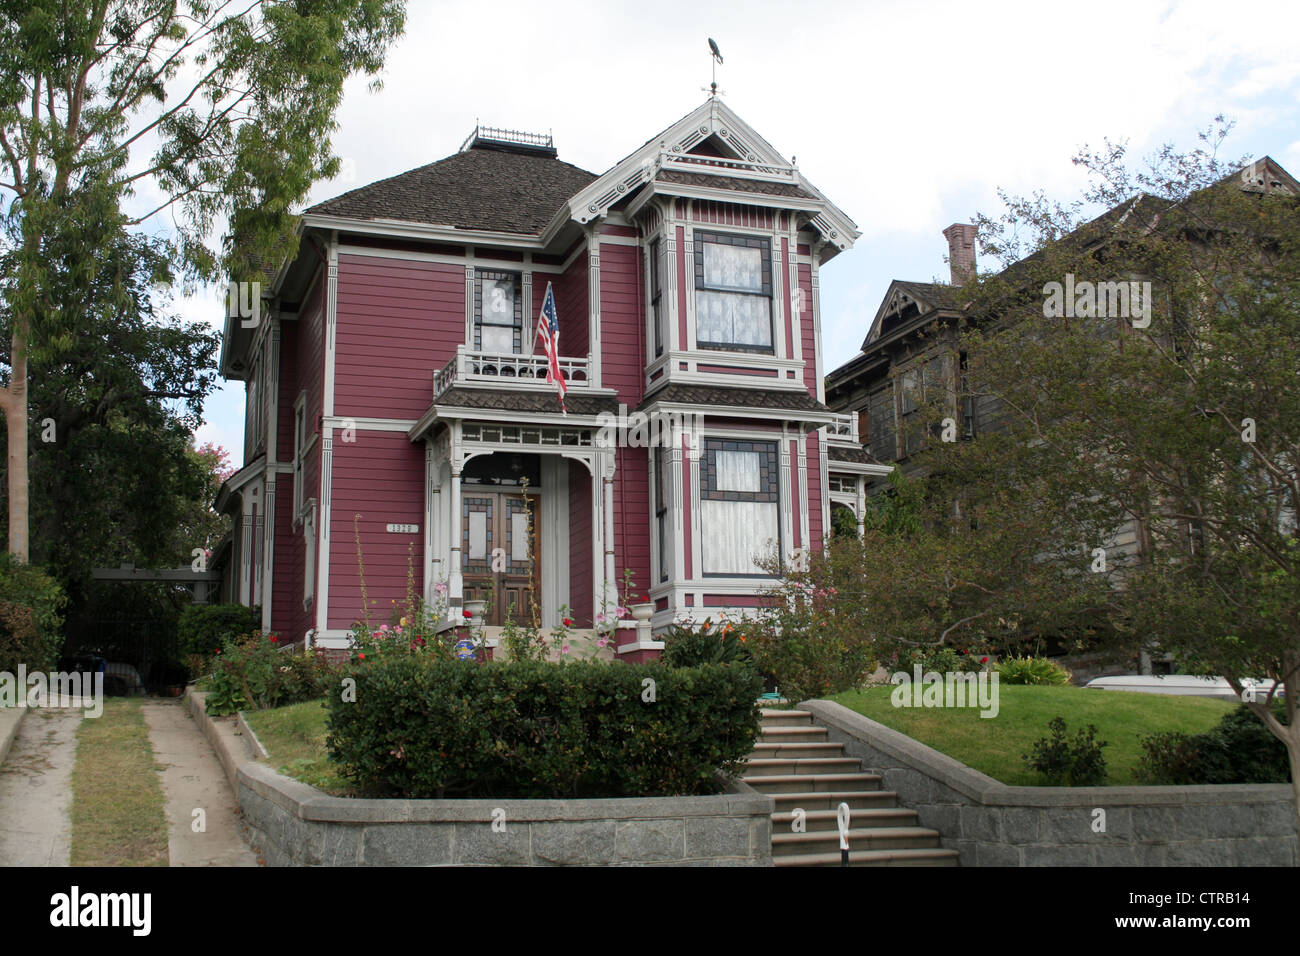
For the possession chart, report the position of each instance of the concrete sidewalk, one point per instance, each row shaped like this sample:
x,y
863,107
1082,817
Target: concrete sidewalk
x,y
36,790
192,779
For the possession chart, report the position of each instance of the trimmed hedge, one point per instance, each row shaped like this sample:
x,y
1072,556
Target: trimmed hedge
x,y
204,628
421,727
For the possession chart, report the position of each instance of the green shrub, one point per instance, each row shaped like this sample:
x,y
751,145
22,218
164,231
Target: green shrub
x,y
806,665
31,615
940,660
691,647
1032,670
1063,763
422,727
203,628
1240,749
250,673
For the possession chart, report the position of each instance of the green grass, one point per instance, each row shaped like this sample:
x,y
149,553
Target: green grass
x,y
995,745
294,737
117,801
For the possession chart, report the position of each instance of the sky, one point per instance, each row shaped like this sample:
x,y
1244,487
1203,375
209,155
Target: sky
x,y
909,116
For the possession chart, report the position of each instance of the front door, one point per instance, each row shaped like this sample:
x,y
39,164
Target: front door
x,y
501,563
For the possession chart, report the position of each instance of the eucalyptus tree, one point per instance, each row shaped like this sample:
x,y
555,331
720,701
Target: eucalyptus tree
x,y
187,118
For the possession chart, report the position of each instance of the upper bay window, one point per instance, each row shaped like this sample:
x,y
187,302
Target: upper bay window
x,y
733,292
498,313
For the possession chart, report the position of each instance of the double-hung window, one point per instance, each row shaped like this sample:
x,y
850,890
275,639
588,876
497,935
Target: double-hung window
x,y
498,313
733,292
656,299
739,506
299,452
923,388
880,423
661,460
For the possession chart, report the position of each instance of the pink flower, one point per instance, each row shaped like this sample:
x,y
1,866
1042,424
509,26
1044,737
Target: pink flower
x,y
564,649
440,587
621,611
383,627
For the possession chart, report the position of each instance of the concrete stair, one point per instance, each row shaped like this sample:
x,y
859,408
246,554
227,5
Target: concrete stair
x,y
801,769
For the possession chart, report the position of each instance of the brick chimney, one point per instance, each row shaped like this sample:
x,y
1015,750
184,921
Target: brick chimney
x,y
961,251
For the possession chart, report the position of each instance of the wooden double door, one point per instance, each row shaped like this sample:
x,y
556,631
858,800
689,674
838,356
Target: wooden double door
x,y
501,553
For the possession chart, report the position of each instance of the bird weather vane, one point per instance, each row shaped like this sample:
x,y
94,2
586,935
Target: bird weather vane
x,y
716,56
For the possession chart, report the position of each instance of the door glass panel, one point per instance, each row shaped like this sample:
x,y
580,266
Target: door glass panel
x,y
477,535
519,536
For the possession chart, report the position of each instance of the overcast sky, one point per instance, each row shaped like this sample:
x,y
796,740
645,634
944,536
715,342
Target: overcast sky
x,y
907,115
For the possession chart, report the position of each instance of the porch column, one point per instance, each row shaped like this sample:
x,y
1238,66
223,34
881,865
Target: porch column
x,y
602,530
245,549
455,580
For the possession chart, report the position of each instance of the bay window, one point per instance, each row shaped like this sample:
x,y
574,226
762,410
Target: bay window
x,y
733,292
739,506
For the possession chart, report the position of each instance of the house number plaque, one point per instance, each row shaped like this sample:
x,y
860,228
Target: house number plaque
x,y
403,529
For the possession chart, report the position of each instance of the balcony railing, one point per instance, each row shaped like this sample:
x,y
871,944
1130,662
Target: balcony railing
x,y
510,371
843,430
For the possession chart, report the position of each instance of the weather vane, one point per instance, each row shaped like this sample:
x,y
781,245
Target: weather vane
x,y
716,56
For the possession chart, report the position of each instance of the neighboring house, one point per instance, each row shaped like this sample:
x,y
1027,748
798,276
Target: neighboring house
x,y
912,355
394,378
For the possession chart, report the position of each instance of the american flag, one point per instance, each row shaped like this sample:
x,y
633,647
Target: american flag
x,y
548,330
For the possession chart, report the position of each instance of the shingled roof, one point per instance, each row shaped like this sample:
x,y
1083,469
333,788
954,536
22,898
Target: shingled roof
x,y
518,400
480,188
713,395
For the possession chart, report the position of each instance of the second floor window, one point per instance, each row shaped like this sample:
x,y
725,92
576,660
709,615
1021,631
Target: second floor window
x,y
880,423
656,304
498,313
733,292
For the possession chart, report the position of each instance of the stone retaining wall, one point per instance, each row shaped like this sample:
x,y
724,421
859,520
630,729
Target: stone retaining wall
x,y
992,824
292,824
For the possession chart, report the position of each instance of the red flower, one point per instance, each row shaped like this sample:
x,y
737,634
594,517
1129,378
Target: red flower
x,y
467,613
273,638
361,656
984,660
568,622
218,650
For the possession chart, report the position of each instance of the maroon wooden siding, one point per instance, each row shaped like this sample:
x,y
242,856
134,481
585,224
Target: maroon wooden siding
x,y
572,298
814,472
632,518
399,321
580,570
622,348
381,477
287,616
809,333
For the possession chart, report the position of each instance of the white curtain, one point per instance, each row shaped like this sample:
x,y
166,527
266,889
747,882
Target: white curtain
x,y
737,535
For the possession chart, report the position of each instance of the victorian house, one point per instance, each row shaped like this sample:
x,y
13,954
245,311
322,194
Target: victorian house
x,y
397,395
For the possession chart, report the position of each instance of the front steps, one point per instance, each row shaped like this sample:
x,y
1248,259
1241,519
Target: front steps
x,y
803,771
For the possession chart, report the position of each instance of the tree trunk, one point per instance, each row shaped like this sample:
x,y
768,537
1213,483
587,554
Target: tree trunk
x,y
13,403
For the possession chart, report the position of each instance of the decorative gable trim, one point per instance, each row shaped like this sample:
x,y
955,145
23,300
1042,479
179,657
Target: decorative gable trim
x,y
752,157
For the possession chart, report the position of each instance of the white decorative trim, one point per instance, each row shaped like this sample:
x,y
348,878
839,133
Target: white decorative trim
x,y
331,324
404,229
323,530
593,304
801,493
268,551
369,424
410,255
817,324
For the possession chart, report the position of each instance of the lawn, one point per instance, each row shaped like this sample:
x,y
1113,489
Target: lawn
x,y
995,745
294,737
117,801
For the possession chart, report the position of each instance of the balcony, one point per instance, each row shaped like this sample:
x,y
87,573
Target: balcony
x,y
492,369
843,430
